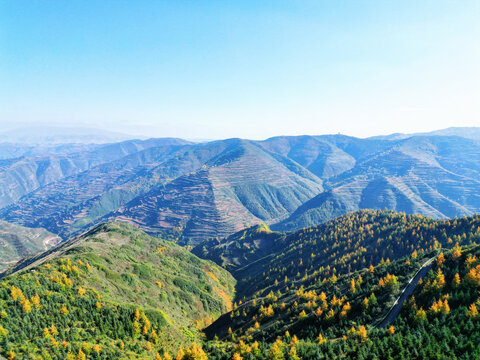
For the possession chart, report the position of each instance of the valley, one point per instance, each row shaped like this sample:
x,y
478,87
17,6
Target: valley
x,y
288,248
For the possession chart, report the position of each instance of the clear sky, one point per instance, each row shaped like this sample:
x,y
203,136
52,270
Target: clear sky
x,y
253,69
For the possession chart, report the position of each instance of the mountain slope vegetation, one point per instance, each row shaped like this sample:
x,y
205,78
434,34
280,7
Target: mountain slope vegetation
x,y
439,321
113,292
348,243
329,310
316,293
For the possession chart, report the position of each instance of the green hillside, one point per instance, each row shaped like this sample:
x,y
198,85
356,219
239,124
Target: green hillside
x,y
329,305
114,292
311,305
318,293
439,321
348,243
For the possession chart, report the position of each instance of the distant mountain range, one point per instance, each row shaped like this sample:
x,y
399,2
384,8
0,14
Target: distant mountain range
x,y
194,191
472,133
48,135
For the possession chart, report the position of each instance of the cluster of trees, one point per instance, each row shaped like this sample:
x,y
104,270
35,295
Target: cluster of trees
x,y
331,308
356,241
47,314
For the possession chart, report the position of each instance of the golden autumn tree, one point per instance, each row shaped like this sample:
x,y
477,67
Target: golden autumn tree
x,y
194,352
440,260
456,252
352,286
180,354
276,351
420,316
362,333
472,311
456,281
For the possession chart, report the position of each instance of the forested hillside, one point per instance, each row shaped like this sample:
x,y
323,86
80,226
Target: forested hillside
x,y
439,321
346,244
114,292
317,293
324,290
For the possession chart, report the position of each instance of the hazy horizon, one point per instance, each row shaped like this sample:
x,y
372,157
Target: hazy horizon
x,y
50,131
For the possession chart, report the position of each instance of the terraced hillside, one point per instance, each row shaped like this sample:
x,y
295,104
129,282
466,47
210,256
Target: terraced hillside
x,y
241,186
21,176
76,202
205,190
326,156
113,292
191,192
17,242
435,176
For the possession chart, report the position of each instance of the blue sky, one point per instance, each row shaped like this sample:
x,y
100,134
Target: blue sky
x,y
253,69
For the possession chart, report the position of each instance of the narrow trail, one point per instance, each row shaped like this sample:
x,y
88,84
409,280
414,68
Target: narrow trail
x,y
406,292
